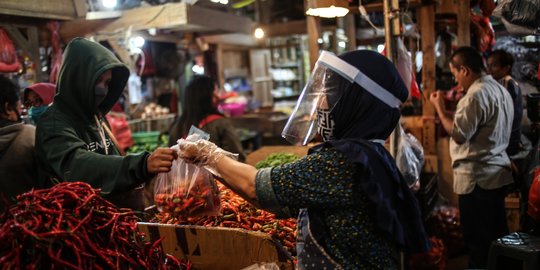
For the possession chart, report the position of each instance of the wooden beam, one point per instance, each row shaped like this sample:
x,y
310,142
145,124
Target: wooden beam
x,y
464,23
285,29
350,30
172,16
314,33
214,19
426,16
80,8
378,7
220,65
448,7
233,39
30,45
80,28
121,51
49,9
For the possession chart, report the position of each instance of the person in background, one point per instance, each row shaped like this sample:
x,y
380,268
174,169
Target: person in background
x,y
354,209
200,109
72,142
480,132
18,166
499,66
37,98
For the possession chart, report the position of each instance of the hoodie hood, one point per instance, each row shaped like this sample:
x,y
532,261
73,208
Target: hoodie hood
x,y
84,62
45,91
8,134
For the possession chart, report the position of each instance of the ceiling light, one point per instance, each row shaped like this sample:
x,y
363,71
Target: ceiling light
x,y
327,8
259,33
109,3
137,41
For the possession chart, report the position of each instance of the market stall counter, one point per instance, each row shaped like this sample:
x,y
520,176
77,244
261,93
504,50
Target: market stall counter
x,y
218,248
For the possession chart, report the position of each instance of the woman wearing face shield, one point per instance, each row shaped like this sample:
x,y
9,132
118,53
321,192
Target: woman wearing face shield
x,y
354,209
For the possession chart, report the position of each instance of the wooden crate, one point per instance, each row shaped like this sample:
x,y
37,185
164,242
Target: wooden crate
x,y
512,212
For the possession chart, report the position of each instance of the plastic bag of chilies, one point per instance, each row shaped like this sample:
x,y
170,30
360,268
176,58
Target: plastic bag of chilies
x,y
410,158
187,190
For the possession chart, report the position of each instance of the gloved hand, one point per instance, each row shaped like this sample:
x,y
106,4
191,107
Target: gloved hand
x,y
202,152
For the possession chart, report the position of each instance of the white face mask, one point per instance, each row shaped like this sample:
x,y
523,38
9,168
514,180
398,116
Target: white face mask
x,y
325,124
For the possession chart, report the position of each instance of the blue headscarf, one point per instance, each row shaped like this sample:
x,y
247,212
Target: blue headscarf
x,y
360,117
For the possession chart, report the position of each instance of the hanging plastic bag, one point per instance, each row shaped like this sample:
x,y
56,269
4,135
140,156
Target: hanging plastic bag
x,y
9,62
56,53
187,190
485,35
523,12
533,208
120,129
504,12
405,69
410,158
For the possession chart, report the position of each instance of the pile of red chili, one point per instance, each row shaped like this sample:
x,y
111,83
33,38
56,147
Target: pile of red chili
x,y
201,200
70,226
238,213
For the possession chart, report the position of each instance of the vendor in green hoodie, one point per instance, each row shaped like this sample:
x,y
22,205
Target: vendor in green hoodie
x,y
72,138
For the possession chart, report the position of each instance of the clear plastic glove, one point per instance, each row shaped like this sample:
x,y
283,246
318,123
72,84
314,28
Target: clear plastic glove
x,y
202,152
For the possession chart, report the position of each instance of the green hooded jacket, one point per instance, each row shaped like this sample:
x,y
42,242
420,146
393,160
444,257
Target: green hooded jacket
x,y
68,140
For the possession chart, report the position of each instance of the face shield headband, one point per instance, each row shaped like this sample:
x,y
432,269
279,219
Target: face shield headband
x,y
322,91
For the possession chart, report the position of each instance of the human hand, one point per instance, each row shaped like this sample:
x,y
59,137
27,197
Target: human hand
x,y
201,152
437,99
160,160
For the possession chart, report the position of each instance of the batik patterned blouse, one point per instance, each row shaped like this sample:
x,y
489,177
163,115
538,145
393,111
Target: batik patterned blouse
x,y
341,216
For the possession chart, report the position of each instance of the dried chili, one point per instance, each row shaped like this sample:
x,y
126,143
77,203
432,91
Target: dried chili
x,y
70,226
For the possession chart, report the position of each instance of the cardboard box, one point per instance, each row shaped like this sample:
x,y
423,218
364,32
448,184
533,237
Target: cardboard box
x,y
210,248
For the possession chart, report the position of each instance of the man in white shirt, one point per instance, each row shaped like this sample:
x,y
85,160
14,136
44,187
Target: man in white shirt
x,y
480,133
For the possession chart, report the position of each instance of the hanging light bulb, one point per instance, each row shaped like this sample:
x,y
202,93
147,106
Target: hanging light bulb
x,y
259,33
327,8
109,3
138,41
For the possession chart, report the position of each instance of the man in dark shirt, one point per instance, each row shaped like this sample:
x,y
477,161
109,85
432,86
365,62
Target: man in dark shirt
x,y
499,65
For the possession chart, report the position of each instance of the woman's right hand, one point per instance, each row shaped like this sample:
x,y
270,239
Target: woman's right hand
x,y
199,152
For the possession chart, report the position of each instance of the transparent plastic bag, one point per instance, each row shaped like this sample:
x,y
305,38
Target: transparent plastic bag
x,y
187,190
506,10
198,150
410,158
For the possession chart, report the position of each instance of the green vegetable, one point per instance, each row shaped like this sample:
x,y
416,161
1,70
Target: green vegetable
x,y
149,147
276,159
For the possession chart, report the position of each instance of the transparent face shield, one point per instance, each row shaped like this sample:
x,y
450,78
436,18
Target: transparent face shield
x,y
322,92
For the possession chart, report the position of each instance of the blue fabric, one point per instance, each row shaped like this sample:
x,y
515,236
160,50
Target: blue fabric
x,y
36,112
359,117
311,254
515,136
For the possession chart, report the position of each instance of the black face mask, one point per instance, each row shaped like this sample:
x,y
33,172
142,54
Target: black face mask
x,y
100,94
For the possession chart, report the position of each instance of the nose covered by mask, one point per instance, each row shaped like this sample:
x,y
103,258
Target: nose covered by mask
x,y
100,94
36,112
325,124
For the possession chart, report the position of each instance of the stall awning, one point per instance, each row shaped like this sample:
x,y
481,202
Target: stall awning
x,y
176,17
45,9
